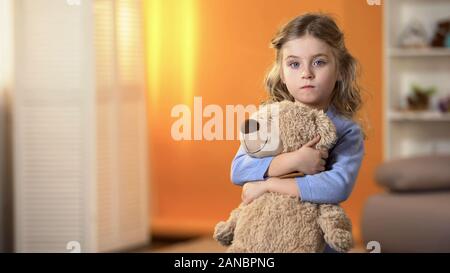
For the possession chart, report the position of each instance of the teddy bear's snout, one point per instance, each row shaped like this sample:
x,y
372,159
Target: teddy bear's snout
x,y
259,139
251,137
250,126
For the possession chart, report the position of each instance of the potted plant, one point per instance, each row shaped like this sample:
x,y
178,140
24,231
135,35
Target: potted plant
x,y
419,99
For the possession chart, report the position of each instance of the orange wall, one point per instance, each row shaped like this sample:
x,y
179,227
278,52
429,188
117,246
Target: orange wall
x,y
219,50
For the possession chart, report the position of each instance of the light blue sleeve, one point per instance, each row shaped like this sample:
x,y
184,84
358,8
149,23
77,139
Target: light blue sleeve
x,y
335,185
245,168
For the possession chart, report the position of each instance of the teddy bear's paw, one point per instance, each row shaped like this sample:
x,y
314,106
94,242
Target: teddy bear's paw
x,y
236,247
339,239
223,234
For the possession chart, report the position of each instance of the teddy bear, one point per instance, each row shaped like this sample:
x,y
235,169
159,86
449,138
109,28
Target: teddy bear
x,y
275,222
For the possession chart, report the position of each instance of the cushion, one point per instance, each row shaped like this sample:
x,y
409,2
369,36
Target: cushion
x,y
415,174
408,222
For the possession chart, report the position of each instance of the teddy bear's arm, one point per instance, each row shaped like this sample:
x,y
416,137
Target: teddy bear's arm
x,y
224,231
336,227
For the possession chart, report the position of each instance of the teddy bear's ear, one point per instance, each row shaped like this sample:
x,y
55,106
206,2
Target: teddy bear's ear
x,y
326,130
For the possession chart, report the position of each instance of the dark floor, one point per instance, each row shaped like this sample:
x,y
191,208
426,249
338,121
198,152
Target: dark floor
x,y
181,244
195,245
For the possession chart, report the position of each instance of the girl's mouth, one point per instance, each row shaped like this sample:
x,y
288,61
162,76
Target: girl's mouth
x,y
307,87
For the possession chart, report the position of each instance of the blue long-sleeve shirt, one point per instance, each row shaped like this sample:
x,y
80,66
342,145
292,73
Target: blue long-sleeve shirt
x,y
333,185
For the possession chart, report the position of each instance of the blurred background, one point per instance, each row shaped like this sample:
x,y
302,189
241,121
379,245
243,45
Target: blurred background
x,y
87,89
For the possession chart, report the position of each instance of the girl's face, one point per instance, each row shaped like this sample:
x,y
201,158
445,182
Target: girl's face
x,y
309,71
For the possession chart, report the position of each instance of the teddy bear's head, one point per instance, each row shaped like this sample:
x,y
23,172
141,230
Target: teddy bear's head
x,y
284,127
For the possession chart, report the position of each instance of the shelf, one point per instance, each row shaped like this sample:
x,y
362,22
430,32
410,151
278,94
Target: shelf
x,y
431,116
409,133
419,52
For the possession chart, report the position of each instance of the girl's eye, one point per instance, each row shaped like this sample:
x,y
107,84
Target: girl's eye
x,y
294,65
319,62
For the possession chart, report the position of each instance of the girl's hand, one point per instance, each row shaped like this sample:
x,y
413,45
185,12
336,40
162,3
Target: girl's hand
x,y
309,160
253,190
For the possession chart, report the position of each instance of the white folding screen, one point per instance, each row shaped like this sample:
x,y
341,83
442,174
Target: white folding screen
x,y
121,119
132,149
80,133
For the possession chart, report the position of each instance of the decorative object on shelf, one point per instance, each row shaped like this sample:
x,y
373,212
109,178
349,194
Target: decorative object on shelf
x,y
414,35
444,104
419,99
442,34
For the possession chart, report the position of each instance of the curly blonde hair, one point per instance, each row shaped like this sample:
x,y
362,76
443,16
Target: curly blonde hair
x,y
346,96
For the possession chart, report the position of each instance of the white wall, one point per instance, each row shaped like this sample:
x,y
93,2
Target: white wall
x,y
6,54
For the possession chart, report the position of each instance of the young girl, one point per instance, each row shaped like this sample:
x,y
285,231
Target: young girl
x,y
314,67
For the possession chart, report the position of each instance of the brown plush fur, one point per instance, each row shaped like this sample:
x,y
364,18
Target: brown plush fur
x,y
280,223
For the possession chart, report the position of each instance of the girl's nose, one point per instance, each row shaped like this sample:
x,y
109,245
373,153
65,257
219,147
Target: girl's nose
x,y
306,73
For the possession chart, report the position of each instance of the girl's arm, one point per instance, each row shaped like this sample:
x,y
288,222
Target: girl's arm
x,y
245,168
332,186
335,185
308,160
253,190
